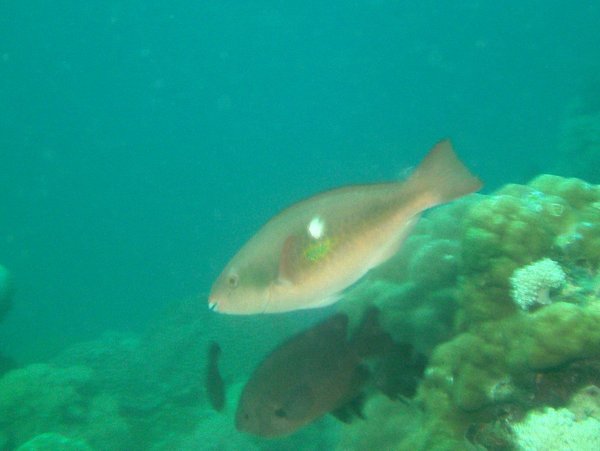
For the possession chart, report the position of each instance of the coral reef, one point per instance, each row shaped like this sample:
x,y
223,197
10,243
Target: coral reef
x,y
153,403
493,366
500,359
576,426
139,392
41,398
106,392
556,429
552,217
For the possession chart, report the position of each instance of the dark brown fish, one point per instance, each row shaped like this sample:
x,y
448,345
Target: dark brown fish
x,y
215,387
315,372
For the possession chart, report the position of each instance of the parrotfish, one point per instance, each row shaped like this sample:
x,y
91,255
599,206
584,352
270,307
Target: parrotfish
x,y
308,254
320,371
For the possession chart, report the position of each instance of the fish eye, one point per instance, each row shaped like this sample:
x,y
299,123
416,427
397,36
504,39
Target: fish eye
x,y
280,413
232,280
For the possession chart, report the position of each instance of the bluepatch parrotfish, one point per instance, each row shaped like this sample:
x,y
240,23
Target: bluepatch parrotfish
x,y
215,387
309,253
321,371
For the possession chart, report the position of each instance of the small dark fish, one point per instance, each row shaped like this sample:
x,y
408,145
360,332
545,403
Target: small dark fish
x,y
313,373
214,382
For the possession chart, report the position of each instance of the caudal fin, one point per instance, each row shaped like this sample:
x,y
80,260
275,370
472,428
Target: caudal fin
x,y
442,177
400,371
369,339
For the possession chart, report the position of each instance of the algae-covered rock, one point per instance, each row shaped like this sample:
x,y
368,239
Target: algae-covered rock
x,y
40,398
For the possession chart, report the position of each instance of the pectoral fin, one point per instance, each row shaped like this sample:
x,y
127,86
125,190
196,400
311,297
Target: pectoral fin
x,y
350,410
286,261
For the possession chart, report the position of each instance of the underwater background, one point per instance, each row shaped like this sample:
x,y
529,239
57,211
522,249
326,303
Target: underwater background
x,y
143,142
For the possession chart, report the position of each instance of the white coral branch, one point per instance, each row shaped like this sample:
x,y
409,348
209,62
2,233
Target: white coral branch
x,y
532,283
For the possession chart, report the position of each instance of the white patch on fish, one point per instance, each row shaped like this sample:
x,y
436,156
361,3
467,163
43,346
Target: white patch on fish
x,y
316,228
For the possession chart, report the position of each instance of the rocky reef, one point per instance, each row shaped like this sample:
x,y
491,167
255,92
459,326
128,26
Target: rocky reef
x,y
499,360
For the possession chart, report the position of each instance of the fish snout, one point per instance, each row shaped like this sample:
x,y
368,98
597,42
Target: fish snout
x,y
213,304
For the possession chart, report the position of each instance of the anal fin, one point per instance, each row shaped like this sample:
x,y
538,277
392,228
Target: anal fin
x,y
352,409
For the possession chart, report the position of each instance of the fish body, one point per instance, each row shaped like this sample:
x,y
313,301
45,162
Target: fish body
x,y
315,372
215,387
308,254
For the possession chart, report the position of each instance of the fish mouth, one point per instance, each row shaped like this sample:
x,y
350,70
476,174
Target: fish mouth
x,y
212,305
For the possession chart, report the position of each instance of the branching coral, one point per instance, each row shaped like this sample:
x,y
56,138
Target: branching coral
x,y
557,429
532,283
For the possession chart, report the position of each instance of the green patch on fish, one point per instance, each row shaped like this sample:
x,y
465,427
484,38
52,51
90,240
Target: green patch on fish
x,y
318,250
307,255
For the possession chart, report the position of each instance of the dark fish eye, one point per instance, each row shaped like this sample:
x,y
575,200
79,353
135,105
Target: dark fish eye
x,y
233,280
280,413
